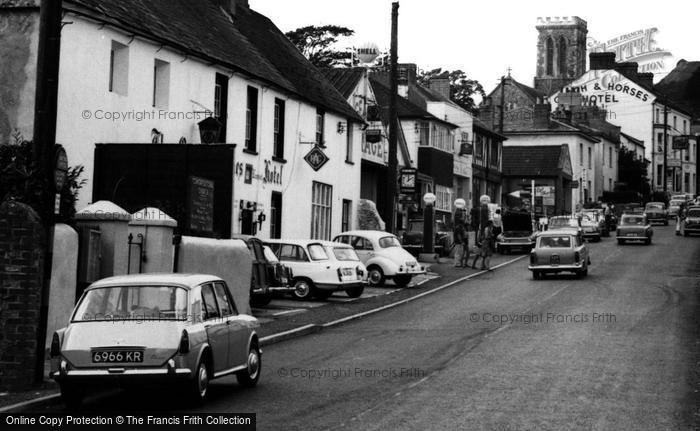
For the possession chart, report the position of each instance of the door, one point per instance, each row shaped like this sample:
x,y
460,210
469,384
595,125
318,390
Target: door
x,y
217,328
276,216
247,225
238,333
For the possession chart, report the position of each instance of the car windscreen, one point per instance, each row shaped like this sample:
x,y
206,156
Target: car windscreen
x,y
317,252
555,241
694,213
389,241
133,303
676,203
632,221
654,206
345,254
562,222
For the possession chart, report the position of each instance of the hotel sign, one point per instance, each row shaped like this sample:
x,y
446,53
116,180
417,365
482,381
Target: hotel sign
x,y
374,147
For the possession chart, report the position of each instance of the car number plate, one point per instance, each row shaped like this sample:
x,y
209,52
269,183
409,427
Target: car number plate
x,y
554,260
631,234
348,272
117,356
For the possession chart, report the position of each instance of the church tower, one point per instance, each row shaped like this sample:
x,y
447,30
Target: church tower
x,y
561,52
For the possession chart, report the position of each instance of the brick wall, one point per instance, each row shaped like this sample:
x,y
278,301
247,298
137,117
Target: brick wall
x,y
21,266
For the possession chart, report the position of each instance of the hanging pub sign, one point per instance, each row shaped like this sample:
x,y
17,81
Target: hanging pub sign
x,y
680,142
316,158
209,130
201,204
60,168
408,181
574,184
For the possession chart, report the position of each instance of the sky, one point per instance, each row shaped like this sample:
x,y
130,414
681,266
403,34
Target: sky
x,y
486,38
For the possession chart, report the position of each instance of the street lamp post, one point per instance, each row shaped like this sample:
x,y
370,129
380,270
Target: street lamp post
x,y
428,222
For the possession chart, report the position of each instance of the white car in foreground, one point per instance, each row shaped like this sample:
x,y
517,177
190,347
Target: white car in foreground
x,y
320,268
383,255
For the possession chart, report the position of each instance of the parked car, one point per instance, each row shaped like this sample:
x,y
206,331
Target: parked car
x,y
315,273
598,214
517,233
634,227
382,254
656,212
590,227
412,238
170,329
559,251
344,254
691,224
674,206
268,276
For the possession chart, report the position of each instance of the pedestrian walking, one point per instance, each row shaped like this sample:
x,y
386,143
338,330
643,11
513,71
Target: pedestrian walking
x,y
680,217
486,245
458,236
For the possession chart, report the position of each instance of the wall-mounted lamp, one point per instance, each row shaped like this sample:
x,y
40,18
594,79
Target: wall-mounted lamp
x,y
341,126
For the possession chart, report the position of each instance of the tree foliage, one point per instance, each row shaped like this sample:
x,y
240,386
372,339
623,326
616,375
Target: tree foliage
x,y
21,181
317,44
632,172
462,89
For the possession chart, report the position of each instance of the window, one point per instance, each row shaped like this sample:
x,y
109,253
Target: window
x,y
686,182
494,156
251,121
444,198
292,252
424,130
562,57
549,56
660,140
224,300
580,154
675,120
610,184
442,138
211,310
610,157
685,127
359,243
119,69
348,142
658,115
347,213
659,175
161,84
321,203
278,129
320,125
276,215
317,252
590,158
221,103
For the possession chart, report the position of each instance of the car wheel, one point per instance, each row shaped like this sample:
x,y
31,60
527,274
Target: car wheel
x,y
402,280
620,241
685,233
250,376
72,396
302,289
199,386
536,275
666,223
260,300
647,241
355,292
375,275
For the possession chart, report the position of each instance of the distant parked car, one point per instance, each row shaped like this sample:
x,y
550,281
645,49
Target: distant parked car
x,y
634,227
591,228
315,273
674,206
181,329
268,276
345,255
559,251
691,224
598,214
517,233
569,223
412,238
383,255
656,212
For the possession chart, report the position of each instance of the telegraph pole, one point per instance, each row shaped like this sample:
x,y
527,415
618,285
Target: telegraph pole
x,y
45,109
393,121
665,147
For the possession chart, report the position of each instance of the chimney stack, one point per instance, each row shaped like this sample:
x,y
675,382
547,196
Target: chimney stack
x,y
542,115
602,60
231,6
407,77
486,111
441,85
646,79
628,69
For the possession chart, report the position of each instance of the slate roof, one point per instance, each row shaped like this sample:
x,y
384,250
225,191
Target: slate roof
x,y
530,92
249,42
344,79
682,84
405,108
532,160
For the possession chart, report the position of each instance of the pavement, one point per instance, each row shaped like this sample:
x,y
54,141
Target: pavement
x,y
285,318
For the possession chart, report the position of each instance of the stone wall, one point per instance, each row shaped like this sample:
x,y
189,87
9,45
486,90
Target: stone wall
x,y
21,275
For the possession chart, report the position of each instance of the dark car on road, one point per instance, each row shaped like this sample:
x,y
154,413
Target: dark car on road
x,y
269,275
656,212
691,223
412,239
634,227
